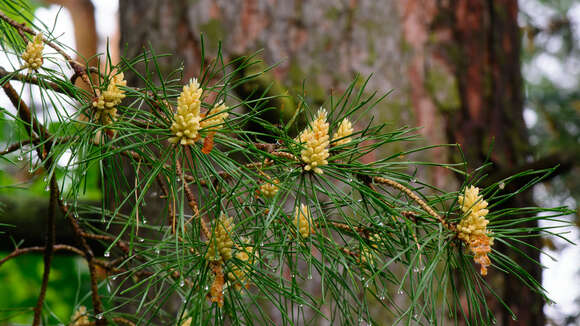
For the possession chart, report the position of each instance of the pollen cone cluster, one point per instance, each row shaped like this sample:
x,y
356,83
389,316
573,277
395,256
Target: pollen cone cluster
x,y
316,141
220,244
238,275
32,56
269,189
342,135
80,318
186,122
215,117
473,227
303,221
106,102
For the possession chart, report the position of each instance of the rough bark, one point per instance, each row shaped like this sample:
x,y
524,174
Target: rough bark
x,y
473,48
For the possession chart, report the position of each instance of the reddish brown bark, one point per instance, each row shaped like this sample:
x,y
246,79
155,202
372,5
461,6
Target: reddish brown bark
x,y
478,43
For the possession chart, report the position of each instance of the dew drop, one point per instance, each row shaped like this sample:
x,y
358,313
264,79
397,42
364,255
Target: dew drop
x,y
20,158
99,316
47,188
382,298
107,254
141,240
181,283
309,276
144,221
414,180
416,270
157,251
154,194
349,180
415,316
514,317
501,186
301,305
206,288
45,179
178,179
381,224
400,292
293,275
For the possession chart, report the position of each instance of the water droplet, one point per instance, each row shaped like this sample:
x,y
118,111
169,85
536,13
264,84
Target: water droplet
x,y
103,219
416,270
301,305
45,179
47,188
293,275
141,240
366,284
349,180
114,277
107,254
501,186
157,251
181,283
381,224
514,317
414,180
99,316
206,288
20,158
144,221
309,276
178,179
382,298
400,292
154,194
416,316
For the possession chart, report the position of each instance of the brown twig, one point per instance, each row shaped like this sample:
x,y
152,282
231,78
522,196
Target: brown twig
x,y
191,202
30,79
57,247
414,197
48,249
121,244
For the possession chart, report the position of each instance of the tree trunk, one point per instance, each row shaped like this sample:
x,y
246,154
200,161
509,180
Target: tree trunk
x,y
466,64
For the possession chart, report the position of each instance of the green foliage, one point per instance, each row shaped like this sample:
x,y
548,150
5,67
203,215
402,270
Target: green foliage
x,y
21,280
377,234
